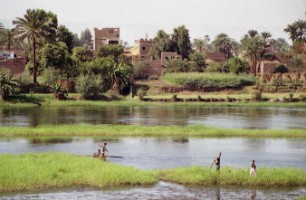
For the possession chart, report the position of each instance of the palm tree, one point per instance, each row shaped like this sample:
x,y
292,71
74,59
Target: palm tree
x,y
7,84
34,25
292,31
297,33
253,44
8,39
199,44
119,76
224,44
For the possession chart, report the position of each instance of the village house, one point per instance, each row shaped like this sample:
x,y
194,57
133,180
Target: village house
x,y
105,36
141,49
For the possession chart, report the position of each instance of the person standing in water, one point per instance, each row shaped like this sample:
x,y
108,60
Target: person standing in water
x,y
103,150
253,168
217,162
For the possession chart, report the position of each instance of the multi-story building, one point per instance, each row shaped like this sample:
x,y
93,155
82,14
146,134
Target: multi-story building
x,y
105,36
142,48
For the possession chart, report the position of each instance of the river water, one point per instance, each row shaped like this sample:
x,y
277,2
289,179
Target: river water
x,y
150,153
165,190
229,117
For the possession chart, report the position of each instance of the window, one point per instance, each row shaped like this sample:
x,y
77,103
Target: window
x,y
143,48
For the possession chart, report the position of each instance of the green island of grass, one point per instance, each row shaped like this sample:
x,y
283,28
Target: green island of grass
x,y
145,131
43,171
266,177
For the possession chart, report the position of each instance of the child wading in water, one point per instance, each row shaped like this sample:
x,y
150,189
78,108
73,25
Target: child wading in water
x,y
97,154
253,168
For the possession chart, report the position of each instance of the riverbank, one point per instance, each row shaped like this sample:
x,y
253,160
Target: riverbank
x,y
238,100
145,131
43,171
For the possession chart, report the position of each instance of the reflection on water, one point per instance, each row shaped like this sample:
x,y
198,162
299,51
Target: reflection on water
x,y
164,190
49,140
173,152
231,117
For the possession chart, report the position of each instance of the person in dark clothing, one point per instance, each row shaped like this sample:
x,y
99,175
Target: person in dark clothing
x,y
217,162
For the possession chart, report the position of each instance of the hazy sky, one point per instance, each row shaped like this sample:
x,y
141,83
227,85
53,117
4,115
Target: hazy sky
x,y
136,18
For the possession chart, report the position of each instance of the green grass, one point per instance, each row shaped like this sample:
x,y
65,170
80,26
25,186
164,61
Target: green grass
x,y
41,171
266,177
145,131
209,80
302,198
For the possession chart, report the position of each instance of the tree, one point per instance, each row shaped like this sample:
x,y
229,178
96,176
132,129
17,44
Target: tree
x,y
297,33
197,62
114,51
56,56
64,35
81,55
76,41
8,39
34,25
89,86
280,45
86,38
253,44
162,42
237,66
120,75
7,84
176,65
181,41
199,44
224,44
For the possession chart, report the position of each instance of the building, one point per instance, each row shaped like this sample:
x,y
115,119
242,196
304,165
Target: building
x,y
168,56
7,55
142,48
105,36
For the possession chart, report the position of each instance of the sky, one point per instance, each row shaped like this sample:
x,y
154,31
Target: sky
x,y
140,18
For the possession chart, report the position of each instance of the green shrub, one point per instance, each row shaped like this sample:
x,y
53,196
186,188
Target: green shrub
x,y
257,96
24,78
209,80
7,84
280,69
141,93
51,76
174,97
302,97
89,86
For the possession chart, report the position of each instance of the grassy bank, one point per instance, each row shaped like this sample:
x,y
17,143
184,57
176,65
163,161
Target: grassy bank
x,y
48,100
266,177
145,131
42,171
32,172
